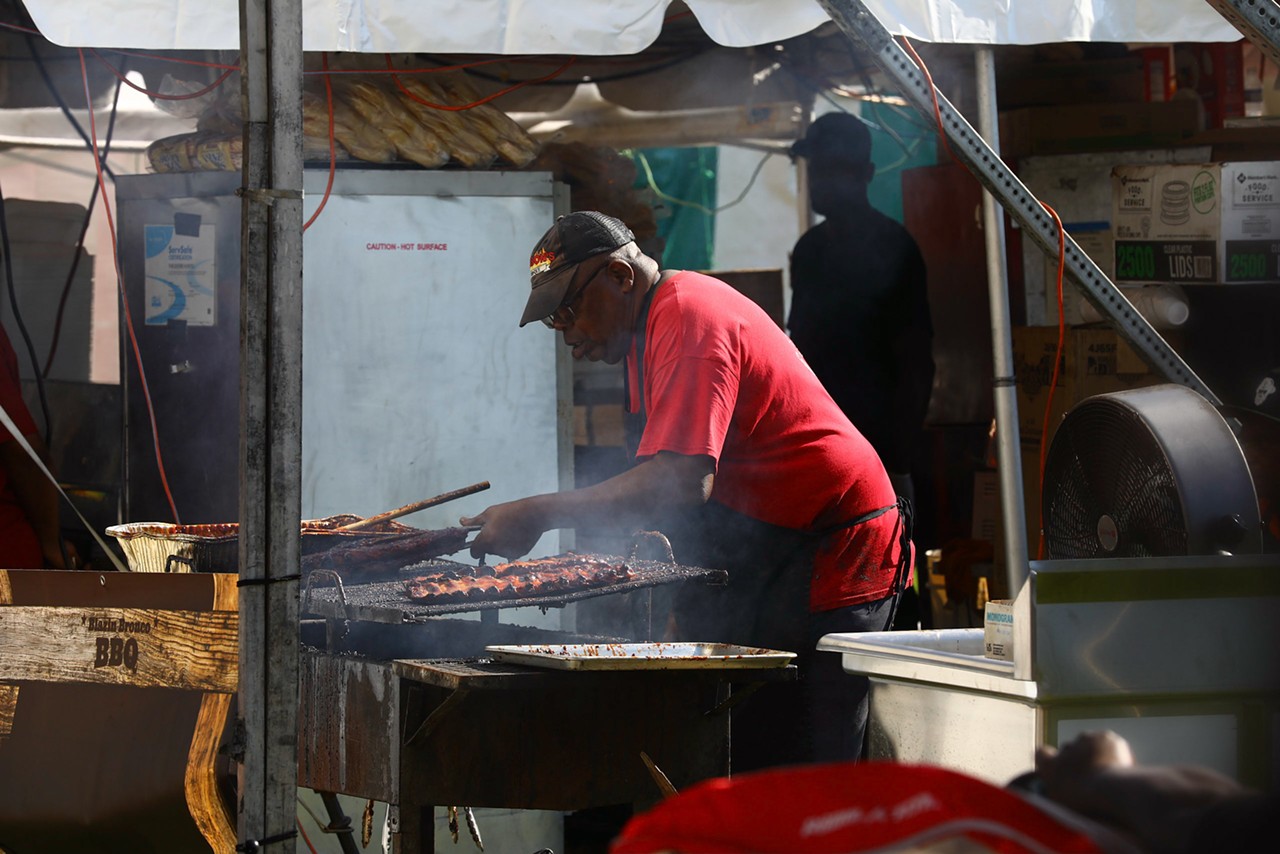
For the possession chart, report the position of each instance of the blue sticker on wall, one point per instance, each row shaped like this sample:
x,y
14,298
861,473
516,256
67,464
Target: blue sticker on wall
x,y
157,237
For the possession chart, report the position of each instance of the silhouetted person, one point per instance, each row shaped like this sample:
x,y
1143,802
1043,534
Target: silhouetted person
x,y
859,308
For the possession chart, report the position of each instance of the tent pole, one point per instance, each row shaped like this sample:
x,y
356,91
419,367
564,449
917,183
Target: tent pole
x,y
857,22
1004,384
270,420
861,26
1257,20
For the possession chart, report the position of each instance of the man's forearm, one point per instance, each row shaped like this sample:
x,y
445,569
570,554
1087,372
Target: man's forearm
x,y
634,497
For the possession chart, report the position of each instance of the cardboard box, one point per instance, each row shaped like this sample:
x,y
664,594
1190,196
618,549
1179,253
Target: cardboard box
x,y
1165,220
1202,223
1096,127
764,287
1157,72
1096,241
1250,224
997,629
986,506
1214,72
598,425
1054,83
1094,361
1031,496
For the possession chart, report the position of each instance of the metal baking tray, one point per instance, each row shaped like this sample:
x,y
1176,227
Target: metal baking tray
x,y
641,656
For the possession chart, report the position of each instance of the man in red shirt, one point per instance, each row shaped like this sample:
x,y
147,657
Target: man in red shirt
x,y
30,537
742,458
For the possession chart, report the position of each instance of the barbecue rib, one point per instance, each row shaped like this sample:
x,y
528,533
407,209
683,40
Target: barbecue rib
x,y
519,579
388,553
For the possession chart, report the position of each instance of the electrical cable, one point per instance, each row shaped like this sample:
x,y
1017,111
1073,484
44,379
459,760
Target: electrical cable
x,y
1057,356
119,75
305,838
17,316
124,301
822,90
31,353
57,96
395,77
703,209
455,67
79,248
200,63
333,153
933,93
622,75
180,60
1057,362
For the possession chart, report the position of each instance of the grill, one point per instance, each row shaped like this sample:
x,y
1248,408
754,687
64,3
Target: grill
x,y
402,704
386,601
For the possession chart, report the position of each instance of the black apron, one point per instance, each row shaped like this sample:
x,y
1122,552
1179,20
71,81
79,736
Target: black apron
x,y
766,601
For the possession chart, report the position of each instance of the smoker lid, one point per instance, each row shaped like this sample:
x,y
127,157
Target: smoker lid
x,y
387,602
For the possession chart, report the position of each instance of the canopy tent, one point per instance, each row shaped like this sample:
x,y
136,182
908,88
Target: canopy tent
x,y
271,36
616,27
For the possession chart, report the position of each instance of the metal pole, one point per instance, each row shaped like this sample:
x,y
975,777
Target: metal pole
x,y
1257,20
271,419
857,22
1004,384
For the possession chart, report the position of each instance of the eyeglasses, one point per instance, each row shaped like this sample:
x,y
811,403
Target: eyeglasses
x,y
564,316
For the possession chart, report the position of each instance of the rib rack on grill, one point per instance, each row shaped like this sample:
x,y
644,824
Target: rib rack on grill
x,y
519,579
365,559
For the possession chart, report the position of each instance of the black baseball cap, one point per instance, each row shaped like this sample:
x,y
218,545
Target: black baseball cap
x,y
835,134
573,239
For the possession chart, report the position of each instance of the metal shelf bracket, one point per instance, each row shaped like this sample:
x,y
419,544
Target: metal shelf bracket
x,y
1257,20
858,22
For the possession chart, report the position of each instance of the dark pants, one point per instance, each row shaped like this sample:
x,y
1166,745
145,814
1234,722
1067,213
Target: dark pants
x,y
835,702
821,716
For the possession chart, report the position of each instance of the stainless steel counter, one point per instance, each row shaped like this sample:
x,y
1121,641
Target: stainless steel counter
x,y
1181,656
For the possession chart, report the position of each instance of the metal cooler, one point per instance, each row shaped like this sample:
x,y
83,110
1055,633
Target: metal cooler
x,y
1181,656
416,378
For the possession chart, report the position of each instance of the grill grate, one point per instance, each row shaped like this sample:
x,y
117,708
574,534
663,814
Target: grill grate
x,y
387,602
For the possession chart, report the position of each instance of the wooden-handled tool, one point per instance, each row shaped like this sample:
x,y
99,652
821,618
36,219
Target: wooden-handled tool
x,y
662,781
416,506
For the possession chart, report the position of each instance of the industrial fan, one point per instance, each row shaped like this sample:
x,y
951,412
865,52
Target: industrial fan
x,y
1150,472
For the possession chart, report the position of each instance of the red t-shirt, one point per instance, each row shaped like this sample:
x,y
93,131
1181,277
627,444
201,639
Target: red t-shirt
x,y
722,379
19,546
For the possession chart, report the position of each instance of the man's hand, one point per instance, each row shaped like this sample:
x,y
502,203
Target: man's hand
x,y
510,530
667,483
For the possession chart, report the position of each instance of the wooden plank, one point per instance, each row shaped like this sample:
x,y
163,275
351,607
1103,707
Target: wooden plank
x,y
183,591
469,674
8,707
348,726
569,744
270,417
486,675
120,646
204,800
208,808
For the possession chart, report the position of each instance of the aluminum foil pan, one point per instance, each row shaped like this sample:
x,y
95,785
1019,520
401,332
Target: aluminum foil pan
x,y
641,656
214,547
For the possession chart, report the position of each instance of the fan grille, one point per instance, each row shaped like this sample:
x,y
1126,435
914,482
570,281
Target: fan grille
x,y
1109,489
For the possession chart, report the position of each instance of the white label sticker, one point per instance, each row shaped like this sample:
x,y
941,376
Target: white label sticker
x,y
181,276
